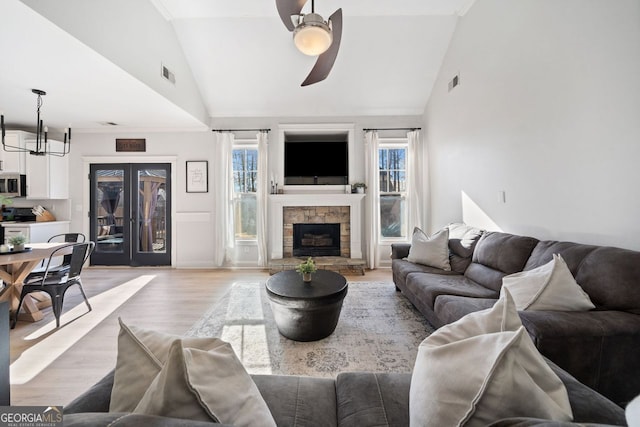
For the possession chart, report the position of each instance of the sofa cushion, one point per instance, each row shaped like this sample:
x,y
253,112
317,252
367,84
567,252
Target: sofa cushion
x,y
450,308
209,385
430,250
297,400
120,419
451,385
611,277
462,242
372,399
427,287
498,254
572,253
548,287
402,268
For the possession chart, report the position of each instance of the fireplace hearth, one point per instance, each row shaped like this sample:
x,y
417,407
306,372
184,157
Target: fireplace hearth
x,y
316,239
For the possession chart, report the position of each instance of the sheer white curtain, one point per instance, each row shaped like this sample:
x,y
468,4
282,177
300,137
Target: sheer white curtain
x,y
262,197
417,172
371,144
224,239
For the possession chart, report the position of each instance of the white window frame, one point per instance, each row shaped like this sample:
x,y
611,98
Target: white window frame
x,y
244,144
395,143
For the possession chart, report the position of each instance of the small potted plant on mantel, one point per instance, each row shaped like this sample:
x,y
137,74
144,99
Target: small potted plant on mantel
x,y
18,242
359,187
306,268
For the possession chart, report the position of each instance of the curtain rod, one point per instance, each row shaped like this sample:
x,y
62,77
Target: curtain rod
x,y
409,129
240,130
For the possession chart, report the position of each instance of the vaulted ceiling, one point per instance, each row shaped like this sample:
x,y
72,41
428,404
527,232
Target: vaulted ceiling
x,y
101,62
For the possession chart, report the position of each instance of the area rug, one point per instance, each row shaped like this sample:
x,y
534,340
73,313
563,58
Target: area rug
x,y
379,331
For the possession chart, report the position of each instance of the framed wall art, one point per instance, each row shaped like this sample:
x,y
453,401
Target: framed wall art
x,y
198,176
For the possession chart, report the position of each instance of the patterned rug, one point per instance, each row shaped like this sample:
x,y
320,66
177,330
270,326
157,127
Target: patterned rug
x,y
379,330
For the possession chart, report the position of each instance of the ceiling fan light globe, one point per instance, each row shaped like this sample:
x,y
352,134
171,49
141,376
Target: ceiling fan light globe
x,y
313,36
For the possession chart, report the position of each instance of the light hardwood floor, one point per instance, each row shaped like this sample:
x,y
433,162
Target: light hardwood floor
x,y
171,302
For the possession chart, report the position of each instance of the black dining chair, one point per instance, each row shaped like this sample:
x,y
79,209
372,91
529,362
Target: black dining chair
x,y
56,285
63,267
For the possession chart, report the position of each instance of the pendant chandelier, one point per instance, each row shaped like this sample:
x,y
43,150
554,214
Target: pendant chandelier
x,y
42,145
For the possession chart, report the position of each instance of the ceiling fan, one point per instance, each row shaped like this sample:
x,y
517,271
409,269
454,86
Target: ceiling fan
x,y
313,35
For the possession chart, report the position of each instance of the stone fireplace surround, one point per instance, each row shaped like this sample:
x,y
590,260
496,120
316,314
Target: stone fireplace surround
x,y
316,215
345,209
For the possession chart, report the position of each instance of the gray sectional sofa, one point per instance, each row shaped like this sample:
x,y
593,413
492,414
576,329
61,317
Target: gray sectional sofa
x,y
599,347
351,400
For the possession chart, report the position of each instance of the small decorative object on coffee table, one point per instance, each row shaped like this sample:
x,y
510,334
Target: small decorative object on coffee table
x,y
306,313
18,242
306,269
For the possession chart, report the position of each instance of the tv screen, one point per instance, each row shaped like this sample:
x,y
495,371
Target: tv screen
x,y
316,162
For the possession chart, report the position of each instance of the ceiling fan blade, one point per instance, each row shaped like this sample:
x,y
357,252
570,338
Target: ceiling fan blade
x,y
325,61
287,8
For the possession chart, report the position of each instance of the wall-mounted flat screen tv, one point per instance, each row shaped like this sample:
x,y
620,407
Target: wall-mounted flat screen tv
x,y
317,162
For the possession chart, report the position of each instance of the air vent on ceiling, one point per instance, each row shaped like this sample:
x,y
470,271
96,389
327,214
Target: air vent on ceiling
x,y
455,81
168,74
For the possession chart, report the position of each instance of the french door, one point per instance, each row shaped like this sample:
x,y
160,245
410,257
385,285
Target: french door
x,y
130,215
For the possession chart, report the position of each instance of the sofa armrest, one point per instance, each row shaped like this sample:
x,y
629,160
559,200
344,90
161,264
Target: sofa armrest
x,y
400,250
598,347
95,399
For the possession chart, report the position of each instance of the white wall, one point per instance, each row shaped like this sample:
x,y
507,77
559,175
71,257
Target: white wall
x,y
194,221
547,110
107,26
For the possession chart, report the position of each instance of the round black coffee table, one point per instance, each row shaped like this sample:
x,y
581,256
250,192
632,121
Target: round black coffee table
x,y
306,311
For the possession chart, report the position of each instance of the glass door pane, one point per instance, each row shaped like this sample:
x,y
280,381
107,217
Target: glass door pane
x,y
151,210
110,214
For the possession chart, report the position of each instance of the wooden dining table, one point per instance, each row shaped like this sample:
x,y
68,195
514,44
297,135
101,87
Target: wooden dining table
x,y
14,269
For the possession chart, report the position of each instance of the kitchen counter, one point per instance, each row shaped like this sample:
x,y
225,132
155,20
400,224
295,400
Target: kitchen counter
x,y
9,224
35,232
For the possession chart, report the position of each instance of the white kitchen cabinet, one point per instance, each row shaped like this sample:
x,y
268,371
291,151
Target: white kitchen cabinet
x,y
47,176
14,161
35,232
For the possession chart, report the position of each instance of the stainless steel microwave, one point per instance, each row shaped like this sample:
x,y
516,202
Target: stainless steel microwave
x,y
13,185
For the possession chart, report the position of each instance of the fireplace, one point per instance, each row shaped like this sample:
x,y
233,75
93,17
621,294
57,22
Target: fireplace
x,y
316,239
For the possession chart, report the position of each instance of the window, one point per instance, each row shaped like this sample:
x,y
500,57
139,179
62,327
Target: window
x,y
245,184
393,187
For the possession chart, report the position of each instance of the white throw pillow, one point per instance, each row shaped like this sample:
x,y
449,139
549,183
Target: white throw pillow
x,y
147,358
632,412
548,287
141,355
432,251
203,385
482,368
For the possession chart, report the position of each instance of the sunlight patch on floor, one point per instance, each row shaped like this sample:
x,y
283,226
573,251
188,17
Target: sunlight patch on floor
x,y
34,360
245,331
249,342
